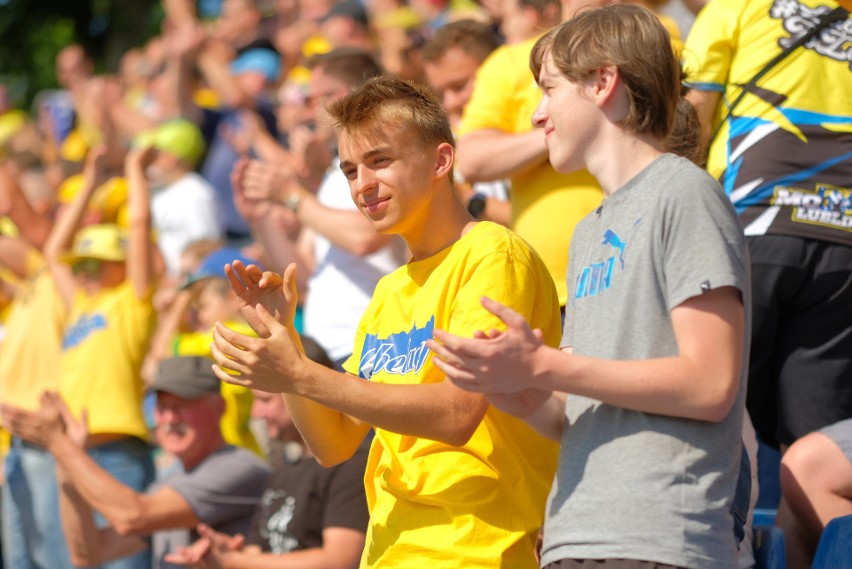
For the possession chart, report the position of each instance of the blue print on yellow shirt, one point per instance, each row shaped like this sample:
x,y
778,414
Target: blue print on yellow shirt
x,y
399,354
82,329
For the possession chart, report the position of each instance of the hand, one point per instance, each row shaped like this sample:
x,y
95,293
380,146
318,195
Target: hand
x,y
500,363
273,364
209,551
41,427
140,158
311,152
95,166
252,210
266,181
254,288
77,431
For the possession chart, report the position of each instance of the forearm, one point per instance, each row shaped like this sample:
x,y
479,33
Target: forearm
x,y
488,155
140,263
88,545
549,419
66,226
674,386
119,504
218,76
436,411
282,251
348,230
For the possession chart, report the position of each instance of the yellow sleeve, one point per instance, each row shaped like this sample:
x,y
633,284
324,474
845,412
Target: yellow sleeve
x,y
493,103
711,44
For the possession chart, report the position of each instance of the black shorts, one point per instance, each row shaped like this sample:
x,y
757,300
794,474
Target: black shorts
x,y
800,375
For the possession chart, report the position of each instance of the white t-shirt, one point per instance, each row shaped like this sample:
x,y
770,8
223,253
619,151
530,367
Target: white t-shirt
x,y
181,213
342,284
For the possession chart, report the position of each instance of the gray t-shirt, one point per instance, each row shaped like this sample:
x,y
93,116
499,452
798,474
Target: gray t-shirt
x,y
636,485
223,492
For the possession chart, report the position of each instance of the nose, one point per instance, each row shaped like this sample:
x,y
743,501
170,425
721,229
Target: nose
x,y
539,116
365,180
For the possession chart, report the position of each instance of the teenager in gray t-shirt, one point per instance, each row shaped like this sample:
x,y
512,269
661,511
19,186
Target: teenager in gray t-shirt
x,y
646,395
633,484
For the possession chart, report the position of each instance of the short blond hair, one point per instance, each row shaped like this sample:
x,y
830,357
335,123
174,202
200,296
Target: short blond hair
x,y
385,101
630,38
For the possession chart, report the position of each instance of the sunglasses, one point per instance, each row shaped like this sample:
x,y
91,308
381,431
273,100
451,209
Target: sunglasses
x,y
86,267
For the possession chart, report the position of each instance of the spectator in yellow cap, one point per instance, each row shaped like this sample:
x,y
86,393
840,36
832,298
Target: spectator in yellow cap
x,y
110,322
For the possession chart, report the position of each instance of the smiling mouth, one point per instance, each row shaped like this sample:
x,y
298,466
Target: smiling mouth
x,y
373,206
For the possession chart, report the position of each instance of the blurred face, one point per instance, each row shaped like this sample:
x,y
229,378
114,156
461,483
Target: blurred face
x,y
391,172
72,66
271,408
571,7
93,275
518,23
322,89
452,77
184,426
213,305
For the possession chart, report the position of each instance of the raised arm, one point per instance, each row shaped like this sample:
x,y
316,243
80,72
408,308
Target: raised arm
x,y
140,247
33,227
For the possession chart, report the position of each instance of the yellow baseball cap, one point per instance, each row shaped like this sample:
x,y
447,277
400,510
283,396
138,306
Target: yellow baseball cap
x,y
105,241
11,122
179,137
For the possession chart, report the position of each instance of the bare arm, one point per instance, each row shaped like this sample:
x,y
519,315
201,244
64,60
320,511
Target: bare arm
x,y
282,247
140,248
705,103
487,155
88,545
33,227
700,383
128,512
346,229
349,230
333,410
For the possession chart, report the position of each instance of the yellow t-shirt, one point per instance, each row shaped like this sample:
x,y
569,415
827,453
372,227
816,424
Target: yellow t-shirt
x,y
102,350
546,205
29,354
238,399
783,156
479,505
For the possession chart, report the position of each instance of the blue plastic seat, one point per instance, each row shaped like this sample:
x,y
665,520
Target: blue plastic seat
x,y
834,550
769,548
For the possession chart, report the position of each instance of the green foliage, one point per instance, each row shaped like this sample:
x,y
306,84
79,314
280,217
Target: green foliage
x,y
33,31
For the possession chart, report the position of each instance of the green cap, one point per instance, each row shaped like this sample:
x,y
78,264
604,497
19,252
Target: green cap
x,y
179,137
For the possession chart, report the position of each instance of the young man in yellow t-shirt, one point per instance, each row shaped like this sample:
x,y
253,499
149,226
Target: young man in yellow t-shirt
x,y
451,481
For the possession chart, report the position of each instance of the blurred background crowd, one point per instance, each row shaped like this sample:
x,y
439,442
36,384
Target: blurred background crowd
x,y
144,145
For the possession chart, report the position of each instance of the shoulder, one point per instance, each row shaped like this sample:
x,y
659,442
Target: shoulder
x,y
232,459
509,59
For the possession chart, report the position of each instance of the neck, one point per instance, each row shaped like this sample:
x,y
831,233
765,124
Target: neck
x,y
200,452
446,222
621,157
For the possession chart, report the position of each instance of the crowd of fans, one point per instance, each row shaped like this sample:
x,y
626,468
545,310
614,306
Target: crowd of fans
x,y
124,195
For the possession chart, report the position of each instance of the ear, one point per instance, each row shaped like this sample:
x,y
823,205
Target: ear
x,y
444,158
607,83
